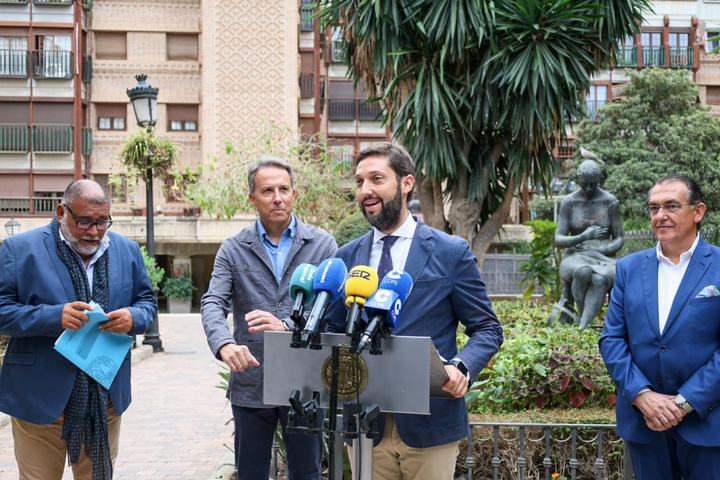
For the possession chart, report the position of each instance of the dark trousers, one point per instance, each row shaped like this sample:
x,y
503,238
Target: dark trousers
x,y
671,457
254,433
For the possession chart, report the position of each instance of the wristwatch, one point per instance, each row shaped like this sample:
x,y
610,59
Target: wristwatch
x,y
460,366
682,403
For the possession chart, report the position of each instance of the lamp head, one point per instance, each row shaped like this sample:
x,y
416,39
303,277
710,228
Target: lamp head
x,y
144,101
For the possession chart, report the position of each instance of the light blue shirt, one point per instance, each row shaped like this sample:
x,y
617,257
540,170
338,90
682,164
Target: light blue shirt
x,y
278,253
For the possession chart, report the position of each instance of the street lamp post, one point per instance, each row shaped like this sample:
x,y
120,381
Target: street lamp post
x,y
144,101
12,227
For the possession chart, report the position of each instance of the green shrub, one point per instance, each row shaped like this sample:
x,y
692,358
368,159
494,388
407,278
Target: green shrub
x,y
541,367
352,227
180,288
543,266
155,272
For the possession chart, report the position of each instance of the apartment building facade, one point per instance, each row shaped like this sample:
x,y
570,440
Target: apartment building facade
x,y
223,68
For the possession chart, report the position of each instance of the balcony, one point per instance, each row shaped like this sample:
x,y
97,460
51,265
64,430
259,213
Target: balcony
x,y
53,2
353,109
52,64
87,69
52,138
87,141
14,138
681,57
307,85
13,1
306,19
14,63
653,56
626,57
22,204
337,51
592,107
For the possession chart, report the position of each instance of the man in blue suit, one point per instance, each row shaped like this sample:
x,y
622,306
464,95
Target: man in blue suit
x,y
661,341
48,276
447,290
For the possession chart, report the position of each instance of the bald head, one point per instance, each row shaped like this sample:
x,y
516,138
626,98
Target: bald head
x,y
88,190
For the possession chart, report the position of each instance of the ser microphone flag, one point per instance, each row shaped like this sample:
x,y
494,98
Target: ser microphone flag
x,y
362,282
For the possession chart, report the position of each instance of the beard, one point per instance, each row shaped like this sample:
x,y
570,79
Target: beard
x,y
82,250
389,214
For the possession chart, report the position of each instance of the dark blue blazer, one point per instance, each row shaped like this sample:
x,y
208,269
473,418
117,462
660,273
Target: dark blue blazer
x,y
447,290
684,359
35,380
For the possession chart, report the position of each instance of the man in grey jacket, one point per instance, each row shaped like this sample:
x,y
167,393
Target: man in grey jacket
x,y
252,276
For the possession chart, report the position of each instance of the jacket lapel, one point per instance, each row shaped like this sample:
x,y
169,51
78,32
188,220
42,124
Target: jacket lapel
x,y
699,264
60,268
650,294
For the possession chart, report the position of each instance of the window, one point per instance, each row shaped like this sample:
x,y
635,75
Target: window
x,y
653,51
681,54
626,54
596,97
111,116
712,95
182,46
53,56
116,187
111,45
182,117
13,57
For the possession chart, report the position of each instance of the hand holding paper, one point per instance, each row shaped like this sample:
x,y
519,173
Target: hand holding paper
x,y
96,352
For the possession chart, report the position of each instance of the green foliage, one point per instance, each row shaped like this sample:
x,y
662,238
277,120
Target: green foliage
x,y
350,228
543,207
542,367
655,129
178,287
221,189
480,92
155,272
543,266
142,152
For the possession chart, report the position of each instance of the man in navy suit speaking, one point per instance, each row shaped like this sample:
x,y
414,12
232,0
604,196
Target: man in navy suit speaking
x,y
48,277
447,290
661,341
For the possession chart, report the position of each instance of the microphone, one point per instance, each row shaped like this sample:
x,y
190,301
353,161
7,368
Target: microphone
x,y
384,306
301,290
328,285
362,281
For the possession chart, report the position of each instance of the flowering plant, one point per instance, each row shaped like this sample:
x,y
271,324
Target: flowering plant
x,y
557,476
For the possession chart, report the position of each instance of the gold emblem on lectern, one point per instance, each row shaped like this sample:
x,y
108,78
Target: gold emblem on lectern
x,y
352,374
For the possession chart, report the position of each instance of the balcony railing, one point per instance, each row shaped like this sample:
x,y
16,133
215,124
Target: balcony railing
x,y
14,138
307,85
681,57
592,107
337,51
352,109
52,64
23,204
87,141
306,19
13,1
653,56
87,68
52,138
54,2
14,63
626,57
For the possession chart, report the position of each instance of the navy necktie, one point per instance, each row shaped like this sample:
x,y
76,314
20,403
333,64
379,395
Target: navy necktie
x,y
386,263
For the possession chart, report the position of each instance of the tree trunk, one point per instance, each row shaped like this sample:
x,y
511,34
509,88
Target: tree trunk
x,y
431,202
488,232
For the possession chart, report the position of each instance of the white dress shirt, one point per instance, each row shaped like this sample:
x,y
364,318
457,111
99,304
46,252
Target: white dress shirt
x,y
669,278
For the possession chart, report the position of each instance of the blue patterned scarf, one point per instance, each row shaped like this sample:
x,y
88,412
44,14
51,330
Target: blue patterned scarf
x,y
86,414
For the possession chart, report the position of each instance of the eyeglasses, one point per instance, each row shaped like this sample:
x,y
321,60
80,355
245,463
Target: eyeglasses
x,y
654,209
85,224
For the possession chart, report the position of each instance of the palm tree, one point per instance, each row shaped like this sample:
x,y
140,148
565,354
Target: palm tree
x,y
479,92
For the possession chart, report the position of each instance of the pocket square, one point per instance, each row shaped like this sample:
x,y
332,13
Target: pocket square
x,y
709,291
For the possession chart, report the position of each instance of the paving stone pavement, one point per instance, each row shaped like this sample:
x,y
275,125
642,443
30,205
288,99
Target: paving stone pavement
x,y
175,427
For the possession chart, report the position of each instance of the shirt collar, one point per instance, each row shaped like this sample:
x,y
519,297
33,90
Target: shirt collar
x,y
683,256
104,245
406,230
291,230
